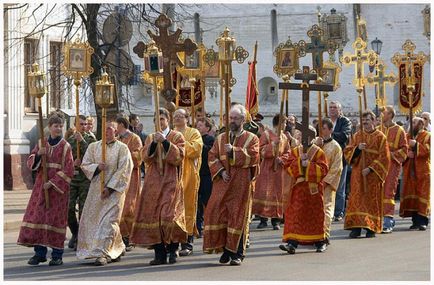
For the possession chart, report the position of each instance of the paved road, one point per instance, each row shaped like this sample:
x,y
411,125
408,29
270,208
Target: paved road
x,y
402,255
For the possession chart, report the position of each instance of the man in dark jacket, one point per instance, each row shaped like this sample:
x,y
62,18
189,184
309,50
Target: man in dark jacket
x,y
204,125
341,133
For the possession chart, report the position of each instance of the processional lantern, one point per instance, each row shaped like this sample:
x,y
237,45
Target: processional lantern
x,y
153,59
334,26
37,89
104,97
36,82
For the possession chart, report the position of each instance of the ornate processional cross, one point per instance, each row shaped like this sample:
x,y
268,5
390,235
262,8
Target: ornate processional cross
x,y
169,45
359,58
306,133
379,81
317,47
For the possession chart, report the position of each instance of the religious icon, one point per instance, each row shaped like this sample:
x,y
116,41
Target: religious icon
x,y
192,61
77,59
287,59
334,30
328,76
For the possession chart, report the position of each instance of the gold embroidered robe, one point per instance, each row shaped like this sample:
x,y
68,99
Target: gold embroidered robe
x,y
99,232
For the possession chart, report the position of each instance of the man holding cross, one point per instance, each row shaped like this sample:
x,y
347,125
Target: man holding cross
x,y
307,165
365,201
233,164
160,219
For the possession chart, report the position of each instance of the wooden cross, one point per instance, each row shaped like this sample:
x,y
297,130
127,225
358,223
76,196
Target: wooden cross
x,y
169,45
306,134
317,47
359,58
379,81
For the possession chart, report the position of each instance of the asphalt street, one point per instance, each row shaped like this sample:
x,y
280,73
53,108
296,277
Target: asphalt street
x,y
402,255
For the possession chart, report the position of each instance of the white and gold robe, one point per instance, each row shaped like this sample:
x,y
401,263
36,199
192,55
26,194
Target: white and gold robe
x,y
333,153
99,233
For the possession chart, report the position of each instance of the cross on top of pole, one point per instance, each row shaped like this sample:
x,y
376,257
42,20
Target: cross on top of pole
x,y
380,80
359,58
306,76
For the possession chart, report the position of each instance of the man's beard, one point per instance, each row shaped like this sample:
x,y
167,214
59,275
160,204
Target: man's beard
x,y
234,127
416,130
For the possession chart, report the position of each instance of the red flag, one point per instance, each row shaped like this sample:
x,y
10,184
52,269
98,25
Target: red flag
x,y
252,105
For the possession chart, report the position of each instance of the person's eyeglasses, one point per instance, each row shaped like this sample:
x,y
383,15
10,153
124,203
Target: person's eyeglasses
x,y
83,124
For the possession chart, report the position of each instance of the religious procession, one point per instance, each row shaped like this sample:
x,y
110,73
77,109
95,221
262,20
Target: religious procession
x,y
147,137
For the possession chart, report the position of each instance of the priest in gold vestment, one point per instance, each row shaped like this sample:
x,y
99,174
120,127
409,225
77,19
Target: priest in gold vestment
x,y
190,175
99,235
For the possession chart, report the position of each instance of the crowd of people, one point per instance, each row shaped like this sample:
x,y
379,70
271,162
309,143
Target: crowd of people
x,y
161,191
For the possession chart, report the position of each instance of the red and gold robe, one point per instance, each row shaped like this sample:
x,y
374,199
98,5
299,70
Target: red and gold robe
x,y
47,227
398,153
226,214
415,197
160,215
268,195
304,216
134,144
365,209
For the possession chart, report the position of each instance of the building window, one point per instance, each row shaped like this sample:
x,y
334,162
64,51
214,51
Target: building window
x,y
137,74
31,52
56,77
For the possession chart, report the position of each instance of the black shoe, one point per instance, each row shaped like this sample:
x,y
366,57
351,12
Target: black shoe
x,y
55,261
185,252
370,234
327,241
289,248
236,261
224,258
172,257
117,259
157,262
414,227
247,243
355,233
262,225
35,260
73,242
422,228
276,227
321,248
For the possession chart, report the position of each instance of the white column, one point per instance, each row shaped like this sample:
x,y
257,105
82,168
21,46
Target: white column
x,y
14,141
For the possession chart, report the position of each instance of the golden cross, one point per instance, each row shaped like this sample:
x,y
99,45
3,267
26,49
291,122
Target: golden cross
x,y
359,58
380,80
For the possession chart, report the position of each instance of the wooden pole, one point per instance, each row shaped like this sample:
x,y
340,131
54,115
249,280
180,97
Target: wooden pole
x,y
412,168
44,156
77,110
326,111
283,100
103,146
227,108
364,180
157,126
193,111
178,87
319,114
221,96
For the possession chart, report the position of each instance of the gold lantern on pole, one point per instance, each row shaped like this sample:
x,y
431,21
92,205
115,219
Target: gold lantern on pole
x,y
37,89
153,58
104,98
